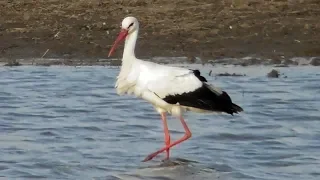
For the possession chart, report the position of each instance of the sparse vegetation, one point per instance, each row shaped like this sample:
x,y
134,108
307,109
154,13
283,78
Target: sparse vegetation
x,y
229,74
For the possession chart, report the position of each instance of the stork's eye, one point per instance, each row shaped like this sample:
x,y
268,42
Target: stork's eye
x,y
130,25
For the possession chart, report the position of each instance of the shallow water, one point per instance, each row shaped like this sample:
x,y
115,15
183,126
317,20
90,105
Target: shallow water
x,y
68,123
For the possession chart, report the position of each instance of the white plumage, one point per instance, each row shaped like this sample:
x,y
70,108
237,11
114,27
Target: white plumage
x,y
153,82
168,89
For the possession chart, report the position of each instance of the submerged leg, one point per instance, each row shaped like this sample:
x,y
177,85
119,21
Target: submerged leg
x,y
186,136
166,133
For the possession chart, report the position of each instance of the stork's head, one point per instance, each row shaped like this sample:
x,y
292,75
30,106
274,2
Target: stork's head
x,y
128,25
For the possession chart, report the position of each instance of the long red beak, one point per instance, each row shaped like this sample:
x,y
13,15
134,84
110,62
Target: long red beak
x,y
122,35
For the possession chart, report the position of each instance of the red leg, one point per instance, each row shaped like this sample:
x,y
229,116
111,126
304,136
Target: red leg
x,y
166,133
186,136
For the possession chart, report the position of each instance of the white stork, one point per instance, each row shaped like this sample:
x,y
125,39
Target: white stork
x,y
169,89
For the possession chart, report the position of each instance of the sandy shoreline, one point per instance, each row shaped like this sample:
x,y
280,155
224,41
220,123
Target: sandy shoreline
x,y
246,61
85,30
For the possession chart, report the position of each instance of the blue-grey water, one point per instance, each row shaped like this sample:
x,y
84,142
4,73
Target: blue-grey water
x,y
68,123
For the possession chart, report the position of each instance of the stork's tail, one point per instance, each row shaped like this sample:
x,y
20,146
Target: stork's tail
x,y
230,107
236,109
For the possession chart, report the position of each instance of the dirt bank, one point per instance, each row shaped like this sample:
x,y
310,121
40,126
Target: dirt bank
x,y
86,29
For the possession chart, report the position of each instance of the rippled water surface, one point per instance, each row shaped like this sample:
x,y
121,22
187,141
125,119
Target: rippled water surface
x,y
68,123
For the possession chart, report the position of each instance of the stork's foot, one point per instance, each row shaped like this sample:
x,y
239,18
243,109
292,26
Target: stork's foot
x,y
152,155
149,157
186,136
166,158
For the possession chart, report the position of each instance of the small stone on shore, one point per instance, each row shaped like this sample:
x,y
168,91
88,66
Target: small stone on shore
x,y
315,61
273,74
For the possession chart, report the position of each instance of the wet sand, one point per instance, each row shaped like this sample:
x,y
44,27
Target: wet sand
x,y
85,30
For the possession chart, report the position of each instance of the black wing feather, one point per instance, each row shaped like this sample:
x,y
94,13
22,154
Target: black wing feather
x,y
205,98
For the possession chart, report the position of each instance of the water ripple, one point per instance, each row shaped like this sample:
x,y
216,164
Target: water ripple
x,y
69,123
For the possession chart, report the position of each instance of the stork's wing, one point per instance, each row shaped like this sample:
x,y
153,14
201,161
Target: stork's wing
x,y
190,89
174,83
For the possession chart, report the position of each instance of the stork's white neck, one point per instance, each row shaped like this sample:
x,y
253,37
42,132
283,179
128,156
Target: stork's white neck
x,y
130,44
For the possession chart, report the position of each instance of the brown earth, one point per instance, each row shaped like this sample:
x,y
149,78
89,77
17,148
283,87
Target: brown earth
x,y
86,29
